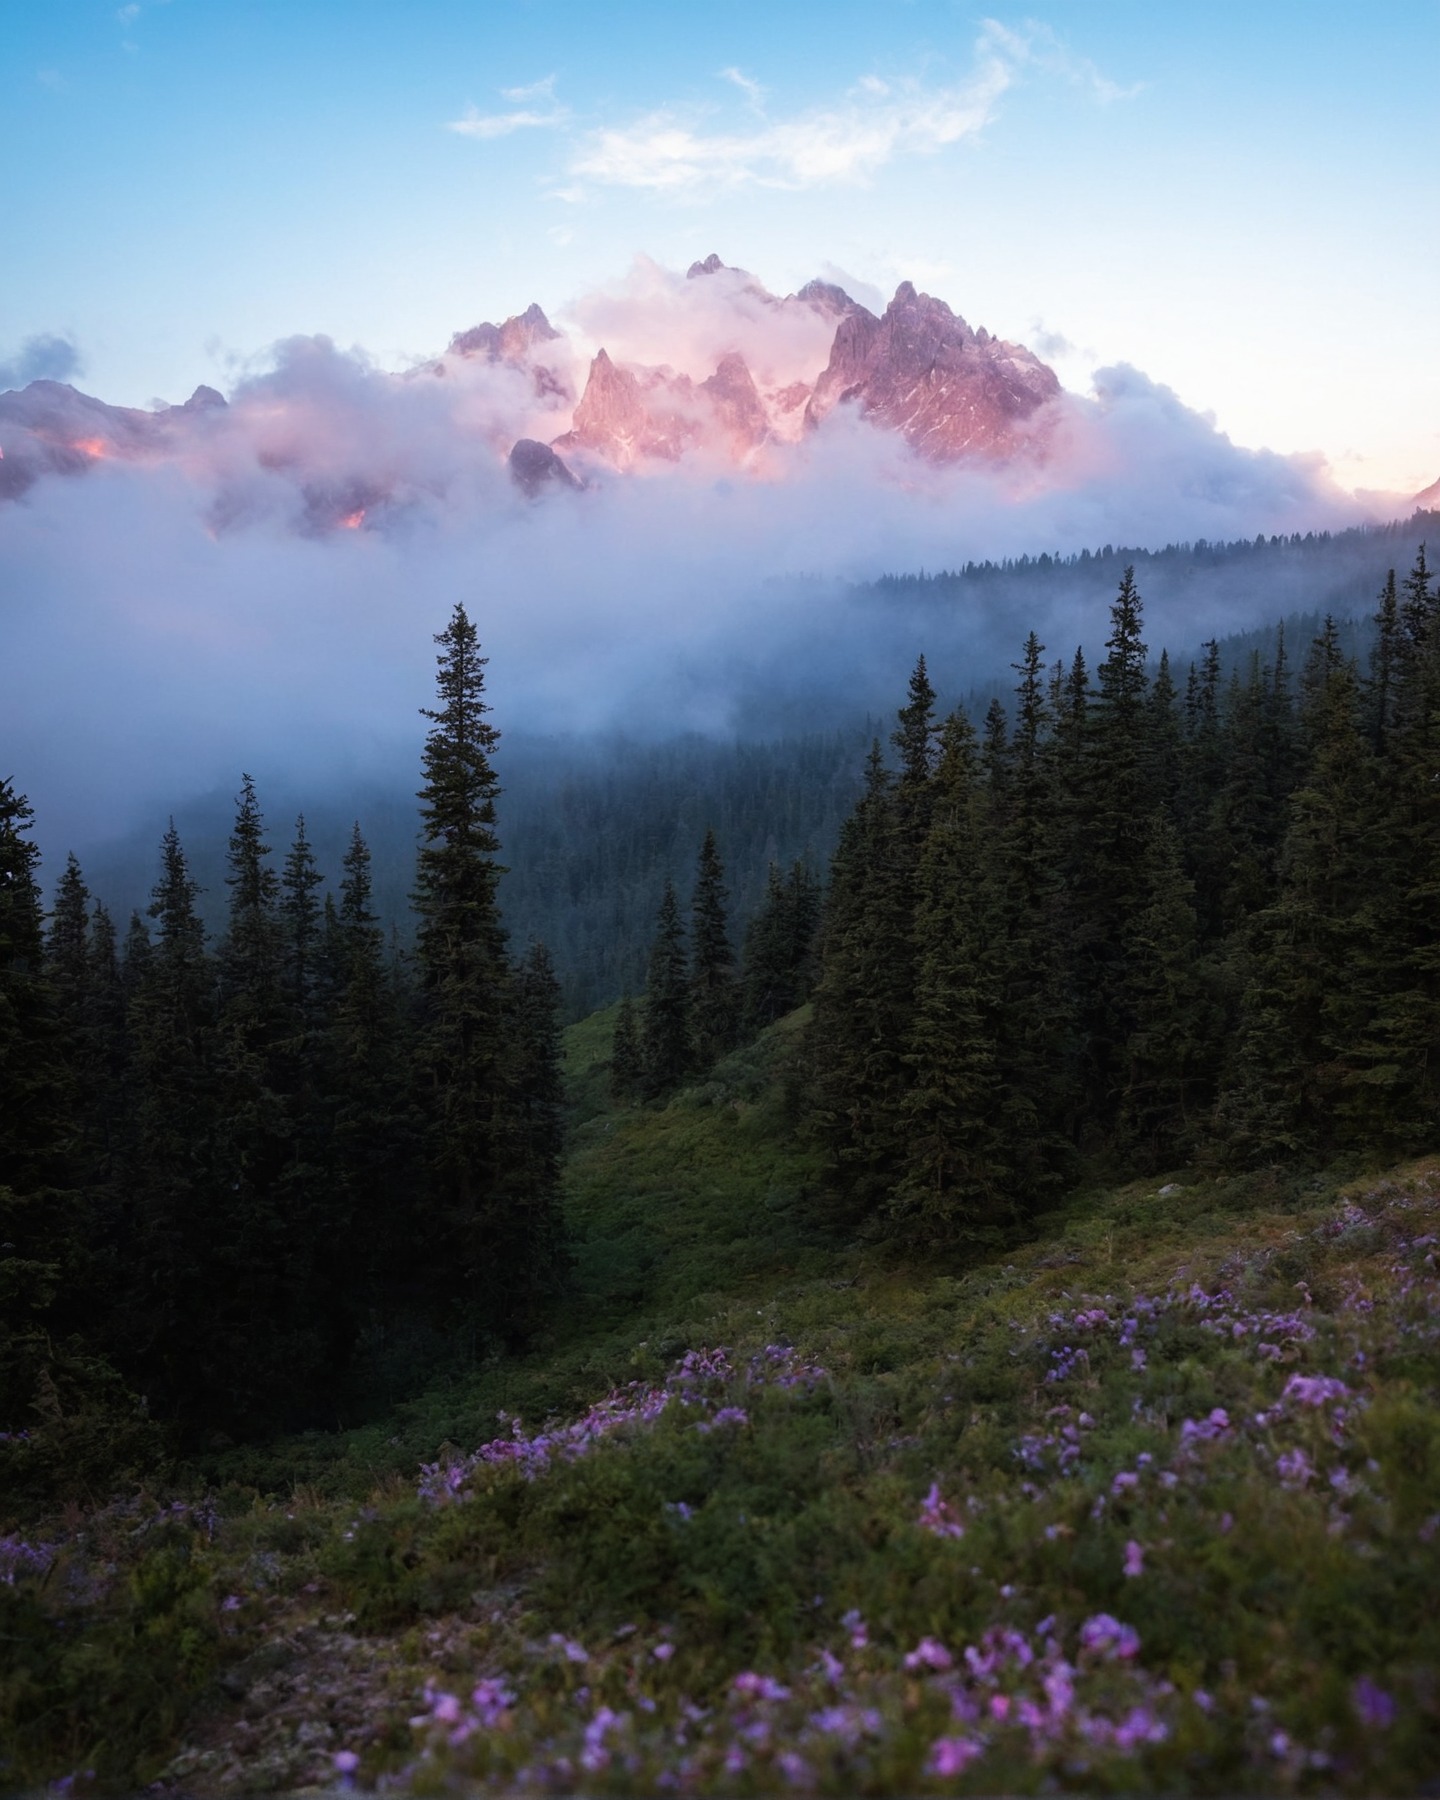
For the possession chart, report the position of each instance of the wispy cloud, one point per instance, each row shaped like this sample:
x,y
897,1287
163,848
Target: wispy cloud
x,y
536,90
752,90
874,123
526,117
686,153
1036,45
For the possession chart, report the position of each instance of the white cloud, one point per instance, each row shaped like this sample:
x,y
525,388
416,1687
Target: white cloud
x,y
674,152
848,142
476,124
752,90
683,153
537,90
1036,45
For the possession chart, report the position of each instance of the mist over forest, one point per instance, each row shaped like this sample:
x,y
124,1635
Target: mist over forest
x,y
593,823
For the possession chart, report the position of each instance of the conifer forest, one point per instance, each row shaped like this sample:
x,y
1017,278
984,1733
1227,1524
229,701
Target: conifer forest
x,y
962,1316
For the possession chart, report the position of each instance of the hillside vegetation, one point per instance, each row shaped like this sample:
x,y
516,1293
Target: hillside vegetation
x,y
1149,1501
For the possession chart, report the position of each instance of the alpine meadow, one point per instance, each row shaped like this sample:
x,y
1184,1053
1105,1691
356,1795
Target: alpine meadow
x,y
720,1011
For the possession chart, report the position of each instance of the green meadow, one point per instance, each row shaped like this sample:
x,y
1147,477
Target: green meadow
x,y
1148,1502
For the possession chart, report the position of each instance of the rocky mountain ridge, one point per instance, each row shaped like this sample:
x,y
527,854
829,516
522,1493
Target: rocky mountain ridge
x,y
514,388
712,371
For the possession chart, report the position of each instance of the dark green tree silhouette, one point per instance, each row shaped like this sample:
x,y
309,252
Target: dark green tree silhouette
x,y
714,989
464,980
666,1052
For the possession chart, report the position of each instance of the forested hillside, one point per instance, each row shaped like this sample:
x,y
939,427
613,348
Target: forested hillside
x,y
594,827
1147,935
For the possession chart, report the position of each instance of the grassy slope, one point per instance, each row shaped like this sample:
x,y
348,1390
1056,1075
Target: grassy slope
x,y
1285,1550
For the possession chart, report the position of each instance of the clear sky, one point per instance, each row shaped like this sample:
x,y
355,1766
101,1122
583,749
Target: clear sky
x,y
1240,199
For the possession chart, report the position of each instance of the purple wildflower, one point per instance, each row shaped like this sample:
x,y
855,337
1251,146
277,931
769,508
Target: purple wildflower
x,y
937,1516
1315,1390
951,1756
1374,1708
1108,1637
759,1687
1294,1468
929,1653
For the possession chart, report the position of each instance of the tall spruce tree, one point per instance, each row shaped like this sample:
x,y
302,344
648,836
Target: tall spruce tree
x,y
165,1322
1104,855
1035,1028
258,1265
777,968
372,1148
1296,1072
954,1183
38,1230
464,980
714,989
666,1051
864,998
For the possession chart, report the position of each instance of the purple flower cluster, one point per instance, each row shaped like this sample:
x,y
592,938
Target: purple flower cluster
x,y
1011,1695
19,1558
702,1379
938,1517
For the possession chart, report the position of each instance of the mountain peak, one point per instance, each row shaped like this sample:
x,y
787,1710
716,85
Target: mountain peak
x,y
511,342
922,371
711,266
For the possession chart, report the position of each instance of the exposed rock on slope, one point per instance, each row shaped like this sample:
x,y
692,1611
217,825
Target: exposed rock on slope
x,y
624,414
534,467
721,368
511,342
50,427
920,370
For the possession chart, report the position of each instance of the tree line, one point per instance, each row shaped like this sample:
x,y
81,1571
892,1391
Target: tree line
x,y
239,1178
1134,926
700,1001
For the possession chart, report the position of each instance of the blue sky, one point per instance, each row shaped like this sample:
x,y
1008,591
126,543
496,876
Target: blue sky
x,y
1239,199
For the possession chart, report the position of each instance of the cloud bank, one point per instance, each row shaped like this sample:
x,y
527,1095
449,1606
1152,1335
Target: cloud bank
x,y
259,589
46,357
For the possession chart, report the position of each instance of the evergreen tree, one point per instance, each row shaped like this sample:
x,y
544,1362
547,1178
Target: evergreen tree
x,y
1166,741
777,968
1309,997
1385,659
1401,1058
165,1320
995,756
262,1348
954,1183
665,1045
371,1145
301,919
714,992
38,1229
1034,1027
1107,789
464,980
864,999
1166,1068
